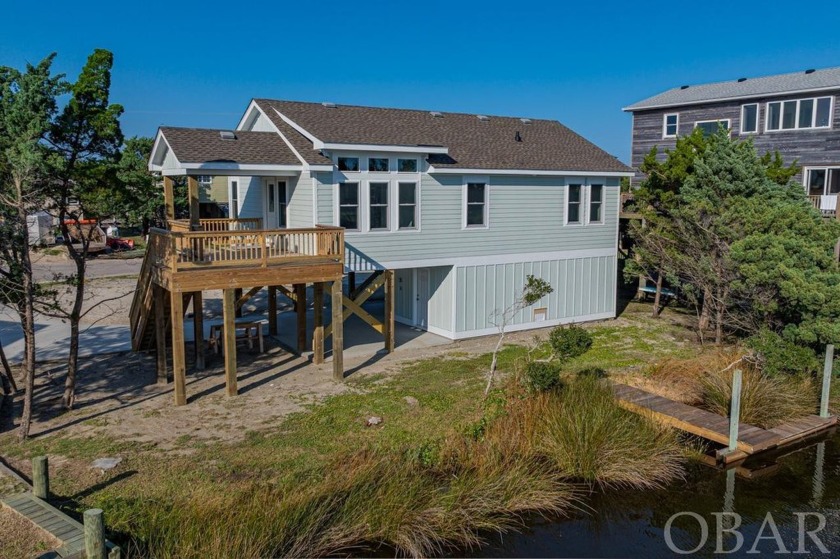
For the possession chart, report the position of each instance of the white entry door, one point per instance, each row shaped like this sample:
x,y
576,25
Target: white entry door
x,y
422,298
275,204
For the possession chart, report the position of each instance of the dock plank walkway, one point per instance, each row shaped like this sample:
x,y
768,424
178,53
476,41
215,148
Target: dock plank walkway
x,y
714,427
68,531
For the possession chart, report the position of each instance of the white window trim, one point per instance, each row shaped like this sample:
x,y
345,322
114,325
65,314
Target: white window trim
x,y
728,122
389,208
475,180
588,189
274,181
757,118
796,116
806,172
417,212
665,125
360,203
233,183
581,214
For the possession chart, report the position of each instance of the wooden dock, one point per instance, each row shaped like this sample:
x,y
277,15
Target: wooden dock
x,y
69,532
714,427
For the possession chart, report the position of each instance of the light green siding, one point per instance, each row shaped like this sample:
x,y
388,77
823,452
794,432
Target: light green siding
x,y
216,192
441,297
325,198
300,201
584,289
404,294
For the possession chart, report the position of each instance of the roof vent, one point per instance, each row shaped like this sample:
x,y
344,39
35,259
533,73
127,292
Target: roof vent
x,y
328,105
526,120
227,135
684,87
741,80
483,118
436,114
518,136
810,71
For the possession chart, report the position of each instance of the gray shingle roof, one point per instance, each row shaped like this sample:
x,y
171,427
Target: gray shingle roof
x,y
751,87
472,143
203,145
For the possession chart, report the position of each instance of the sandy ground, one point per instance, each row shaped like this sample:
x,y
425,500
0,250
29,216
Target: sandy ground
x,y
20,538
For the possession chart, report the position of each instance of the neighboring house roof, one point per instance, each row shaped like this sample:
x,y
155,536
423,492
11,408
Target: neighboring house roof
x,y
806,81
471,143
202,145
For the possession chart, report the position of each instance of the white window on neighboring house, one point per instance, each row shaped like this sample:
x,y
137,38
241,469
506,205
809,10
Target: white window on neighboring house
x,y
348,205
378,207
749,118
670,125
799,114
407,199
710,127
596,203
574,194
475,208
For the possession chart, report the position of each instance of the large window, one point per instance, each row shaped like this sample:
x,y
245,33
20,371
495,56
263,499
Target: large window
x,y
476,207
596,203
573,203
749,118
710,127
799,114
407,205
378,164
823,181
406,165
348,163
348,205
670,125
378,207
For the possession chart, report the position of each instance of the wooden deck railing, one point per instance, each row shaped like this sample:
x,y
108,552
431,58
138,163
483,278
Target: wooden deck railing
x,y
822,204
219,224
190,250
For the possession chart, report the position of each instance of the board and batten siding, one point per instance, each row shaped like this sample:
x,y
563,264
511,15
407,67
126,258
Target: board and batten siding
x,y
526,215
810,147
584,289
404,296
441,299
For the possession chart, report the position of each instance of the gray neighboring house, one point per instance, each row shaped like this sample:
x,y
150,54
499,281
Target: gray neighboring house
x,y
796,114
461,206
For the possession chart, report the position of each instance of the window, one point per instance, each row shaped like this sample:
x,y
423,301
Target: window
x,y
573,203
378,206
378,164
749,119
710,127
204,180
823,182
271,198
799,114
348,163
596,203
283,205
406,165
234,199
670,125
407,205
476,211
348,205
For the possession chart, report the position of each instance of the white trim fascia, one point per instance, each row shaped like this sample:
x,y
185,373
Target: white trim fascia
x,y
631,108
251,105
160,137
527,326
512,258
317,144
526,172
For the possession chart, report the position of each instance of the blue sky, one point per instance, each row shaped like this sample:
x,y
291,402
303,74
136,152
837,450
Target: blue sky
x,y
198,63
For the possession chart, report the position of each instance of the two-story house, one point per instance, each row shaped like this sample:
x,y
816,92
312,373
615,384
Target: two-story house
x,y
457,208
795,114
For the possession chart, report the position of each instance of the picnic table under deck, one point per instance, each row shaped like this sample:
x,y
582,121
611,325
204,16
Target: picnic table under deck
x,y
217,331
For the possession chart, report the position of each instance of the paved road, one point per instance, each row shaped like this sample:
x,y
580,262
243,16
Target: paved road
x,y
45,270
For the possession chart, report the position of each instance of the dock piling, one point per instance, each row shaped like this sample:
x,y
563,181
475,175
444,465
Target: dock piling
x,y
735,410
94,534
41,477
826,381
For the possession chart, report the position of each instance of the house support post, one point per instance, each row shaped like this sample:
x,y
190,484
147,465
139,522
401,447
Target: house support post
x,y
229,312
237,293
198,329
160,334
388,322
179,372
192,188
272,310
300,311
318,330
337,325
169,200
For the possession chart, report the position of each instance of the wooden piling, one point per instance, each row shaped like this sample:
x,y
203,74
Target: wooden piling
x,y
272,310
337,300
318,330
735,410
94,534
198,329
160,333
828,371
192,193
179,369
229,313
169,200
300,311
41,477
388,319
